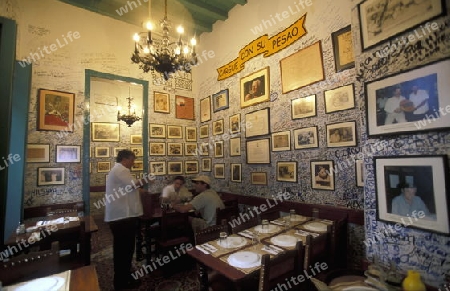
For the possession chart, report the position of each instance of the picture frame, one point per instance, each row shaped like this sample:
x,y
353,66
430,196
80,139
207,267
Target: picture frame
x,y
174,149
235,146
191,167
156,130
255,88
342,134
50,176
138,166
322,175
281,141
161,102
206,164
220,100
235,123
101,152
135,138
426,179
258,178
304,107
431,82
157,148
191,133
306,137
138,151
338,99
184,107
190,149
257,122
157,168
205,109
175,168
307,62
218,149
55,110
218,127
204,131
38,153
287,171
359,173
258,151
103,167
344,57
116,150
105,131
174,131
379,24
219,171
204,148
236,172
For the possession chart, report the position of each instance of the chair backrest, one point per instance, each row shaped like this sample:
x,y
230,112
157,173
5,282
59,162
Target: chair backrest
x,y
319,249
30,266
228,213
243,221
210,233
150,202
174,224
270,215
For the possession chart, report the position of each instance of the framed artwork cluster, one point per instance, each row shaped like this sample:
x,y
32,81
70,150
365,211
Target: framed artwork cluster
x,y
184,106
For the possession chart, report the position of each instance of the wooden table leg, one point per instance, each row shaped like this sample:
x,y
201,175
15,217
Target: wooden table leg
x,y
203,277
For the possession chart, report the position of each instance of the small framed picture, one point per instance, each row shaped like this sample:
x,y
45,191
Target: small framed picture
x,y
204,131
174,131
135,139
206,164
304,107
174,149
258,178
281,141
218,127
174,168
191,133
157,168
219,171
322,177
68,154
338,99
236,172
235,123
287,172
344,57
156,130
38,153
184,107
218,149
105,131
191,167
305,138
204,149
50,176
138,166
102,152
235,146
103,167
341,134
117,150
55,110
190,149
220,100
205,109
157,148
359,173
255,88
258,151
138,151
161,102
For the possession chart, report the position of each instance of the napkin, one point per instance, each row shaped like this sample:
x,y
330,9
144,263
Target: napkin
x,y
278,222
200,248
306,233
246,233
269,250
209,248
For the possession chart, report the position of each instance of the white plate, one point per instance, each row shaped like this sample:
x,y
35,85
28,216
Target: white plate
x,y
244,259
270,228
297,217
359,288
233,242
316,226
41,284
284,240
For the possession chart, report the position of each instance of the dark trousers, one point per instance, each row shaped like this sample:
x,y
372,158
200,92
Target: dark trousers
x,y
124,234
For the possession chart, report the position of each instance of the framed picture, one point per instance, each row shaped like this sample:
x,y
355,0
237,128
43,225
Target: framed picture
x,y
235,146
205,109
255,88
204,149
218,149
258,178
422,180
236,172
138,165
305,138
161,102
322,177
220,100
103,167
206,164
191,167
138,151
157,148
191,133
104,131
219,171
287,172
218,127
257,123
307,63
235,123
381,20
281,141
410,101
174,149
174,168
184,107
304,107
174,131
156,130
101,152
38,153
135,139
258,151
55,110
117,150
341,134
190,149
340,98
359,173
157,168
204,131
50,176
344,57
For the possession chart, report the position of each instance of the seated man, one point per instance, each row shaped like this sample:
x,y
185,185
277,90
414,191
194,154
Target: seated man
x,y
176,192
407,202
205,203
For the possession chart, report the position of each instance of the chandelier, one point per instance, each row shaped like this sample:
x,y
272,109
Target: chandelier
x,y
129,118
163,56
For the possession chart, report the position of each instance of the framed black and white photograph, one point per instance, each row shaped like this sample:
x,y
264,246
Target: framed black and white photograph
x,y
257,123
344,57
105,131
218,127
410,101
236,172
338,99
138,151
322,175
174,131
413,191
359,173
305,138
235,123
157,168
38,153
68,153
191,167
161,102
175,168
50,176
342,134
157,148
258,178
174,149
138,166
204,131
218,149
281,141
220,100
303,107
190,149
191,133
219,171
206,164
255,88
287,172
235,146
135,139
204,148
258,151
103,167
205,109
102,152
156,130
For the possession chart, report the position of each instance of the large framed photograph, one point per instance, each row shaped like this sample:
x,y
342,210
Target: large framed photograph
x,y
305,138
191,167
157,168
257,123
55,110
50,176
341,134
184,107
206,164
38,153
258,178
174,149
340,98
410,101
258,151
157,148
255,88
103,167
205,109
381,20
236,172
156,130
322,175
220,100
204,131
235,123
104,131
415,190
287,172
174,168
174,131
235,146
218,127
359,173
281,141
161,102
304,107
102,152
191,133
219,171
344,57
307,63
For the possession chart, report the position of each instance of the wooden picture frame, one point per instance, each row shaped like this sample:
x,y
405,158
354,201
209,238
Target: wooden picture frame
x,y
306,137
50,176
135,138
258,178
255,88
184,107
257,122
174,131
56,110
281,141
157,168
204,148
236,172
156,130
38,153
191,133
218,127
175,168
161,102
322,175
307,63
220,100
138,166
105,131
287,171
235,123
191,167
190,149
304,107
157,148
359,173
206,164
338,99
218,149
219,171
342,134
174,149
138,151
235,146
205,109
103,167
101,152
344,56
258,151
204,131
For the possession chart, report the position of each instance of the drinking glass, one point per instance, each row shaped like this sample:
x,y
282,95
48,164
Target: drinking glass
x,y
264,224
223,239
292,214
315,213
287,222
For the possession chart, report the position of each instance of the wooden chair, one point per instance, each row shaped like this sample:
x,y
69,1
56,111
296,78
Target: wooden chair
x,y
210,233
229,213
247,220
149,228
175,230
29,266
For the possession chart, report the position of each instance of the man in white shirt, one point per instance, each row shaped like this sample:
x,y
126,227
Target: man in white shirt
x,y
176,192
393,110
420,100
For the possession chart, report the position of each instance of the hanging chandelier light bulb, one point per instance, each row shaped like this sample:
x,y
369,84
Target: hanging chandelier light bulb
x,y
129,118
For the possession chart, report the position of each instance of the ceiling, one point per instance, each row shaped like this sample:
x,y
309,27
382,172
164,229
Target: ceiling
x,y
197,16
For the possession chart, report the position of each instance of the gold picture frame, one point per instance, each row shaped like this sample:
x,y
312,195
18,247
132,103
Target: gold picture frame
x,y
184,107
255,88
161,102
55,110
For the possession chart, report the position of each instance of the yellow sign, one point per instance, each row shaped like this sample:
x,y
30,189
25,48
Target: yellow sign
x,y
264,45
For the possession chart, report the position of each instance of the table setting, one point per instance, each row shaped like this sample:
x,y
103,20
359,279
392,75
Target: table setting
x,y
56,282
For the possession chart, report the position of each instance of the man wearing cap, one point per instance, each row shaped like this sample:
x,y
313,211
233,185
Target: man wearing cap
x,y
205,203
407,202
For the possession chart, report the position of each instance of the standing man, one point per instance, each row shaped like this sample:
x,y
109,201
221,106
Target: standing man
x,y
393,110
420,100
